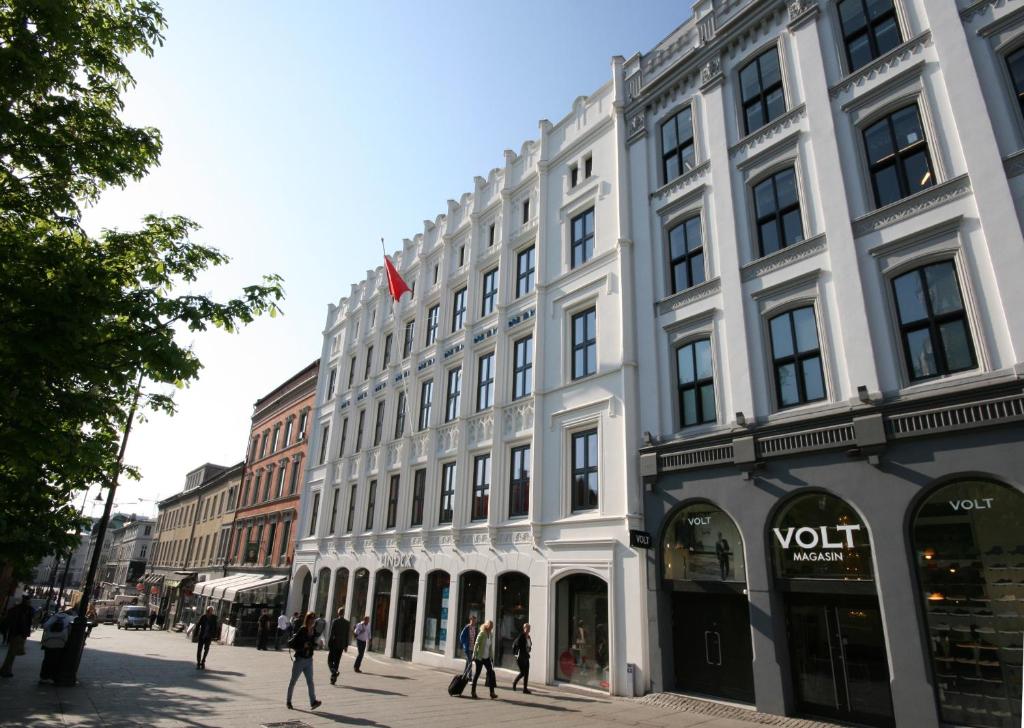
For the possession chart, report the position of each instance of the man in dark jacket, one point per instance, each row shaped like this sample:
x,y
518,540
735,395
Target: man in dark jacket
x,y
19,624
263,627
337,644
207,631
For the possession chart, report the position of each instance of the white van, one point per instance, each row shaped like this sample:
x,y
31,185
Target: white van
x,y
133,617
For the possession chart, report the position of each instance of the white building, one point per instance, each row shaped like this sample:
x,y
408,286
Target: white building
x,y
507,488
129,550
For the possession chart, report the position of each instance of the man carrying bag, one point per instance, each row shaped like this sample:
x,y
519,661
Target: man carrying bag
x,y
337,643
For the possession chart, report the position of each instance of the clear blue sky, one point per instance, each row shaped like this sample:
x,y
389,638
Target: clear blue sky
x,y
299,133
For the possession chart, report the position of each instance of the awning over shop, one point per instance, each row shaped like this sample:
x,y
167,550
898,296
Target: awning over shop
x,y
215,587
153,579
257,583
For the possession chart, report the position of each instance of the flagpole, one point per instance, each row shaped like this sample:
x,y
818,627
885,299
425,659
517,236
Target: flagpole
x,y
405,380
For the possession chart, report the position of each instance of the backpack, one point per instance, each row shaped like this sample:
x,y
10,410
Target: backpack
x,y
55,635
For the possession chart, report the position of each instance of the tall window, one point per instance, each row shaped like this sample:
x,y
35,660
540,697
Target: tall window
x,y
263,444
351,508
400,415
490,236
407,342
677,150
485,382
898,156
371,502
296,472
447,505
284,540
426,401
686,254
314,513
584,470
378,425
330,385
334,511
526,210
323,443
432,316
796,357
870,29
481,486
388,341
490,295
459,310
519,482
344,437
526,266
361,422
392,515
282,472
303,416
696,383
1015,64
419,492
761,91
266,484
288,431
582,232
933,323
584,343
351,372
451,409
777,210
522,368
369,362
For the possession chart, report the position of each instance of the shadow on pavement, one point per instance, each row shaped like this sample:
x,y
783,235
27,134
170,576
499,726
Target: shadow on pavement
x,y
345,719
542,706
374,691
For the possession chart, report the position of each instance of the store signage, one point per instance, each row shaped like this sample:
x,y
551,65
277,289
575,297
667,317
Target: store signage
x,y
397,561
977,504
814,541
640,539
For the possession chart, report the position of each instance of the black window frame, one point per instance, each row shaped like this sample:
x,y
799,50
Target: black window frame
x,y
371,504
522,373
586,345
777,214
352,371
409,340
697,385
489,299
388,343
393,492
325,434
491,235
361,423
334,512
378,425
314,515
400,406
459,309
525,277
330,390
369,363
688,257
344,437
446,504
526,210
485,381
870,30
519,482
350,521
1017,84
453,394
481,487
898,157
685,150
584,470
419,496
933,323
797,358
581,249
433,319
426,403
761,97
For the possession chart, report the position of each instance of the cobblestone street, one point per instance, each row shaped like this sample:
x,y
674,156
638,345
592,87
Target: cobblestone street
x,y
149,679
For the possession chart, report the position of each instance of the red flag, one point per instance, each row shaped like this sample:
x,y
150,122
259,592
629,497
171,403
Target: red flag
x,y
396,285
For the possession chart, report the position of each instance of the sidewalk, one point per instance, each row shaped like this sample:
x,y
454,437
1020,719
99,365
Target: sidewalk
x,y
149,679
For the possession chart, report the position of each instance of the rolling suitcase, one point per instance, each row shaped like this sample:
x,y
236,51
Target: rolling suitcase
x,y
458,683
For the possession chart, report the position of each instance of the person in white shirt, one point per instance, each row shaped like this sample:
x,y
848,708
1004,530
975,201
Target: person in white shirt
x,y
362,633
284,627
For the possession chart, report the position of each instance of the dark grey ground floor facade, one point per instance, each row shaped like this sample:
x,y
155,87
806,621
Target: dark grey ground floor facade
x,y
875,559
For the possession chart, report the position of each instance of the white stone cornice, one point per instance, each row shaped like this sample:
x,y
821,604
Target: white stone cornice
x,y
682,182
691,295
784,257
913,205
768,132
883,64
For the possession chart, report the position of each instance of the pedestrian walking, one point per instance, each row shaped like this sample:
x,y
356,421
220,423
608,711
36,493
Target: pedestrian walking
x,y
283,630
303,642
467,639
296,623
337,643
53,641
263,627
521,651
482,652
19,626
207,630
362,637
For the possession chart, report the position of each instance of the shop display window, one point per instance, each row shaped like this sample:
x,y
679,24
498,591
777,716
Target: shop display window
x,y
381,610
581,633
435,614
472,590
702,543
359,594
340,592
819,536
969,552
513,613
405,623
323,588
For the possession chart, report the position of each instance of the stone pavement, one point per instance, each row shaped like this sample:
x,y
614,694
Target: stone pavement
x,y
149,679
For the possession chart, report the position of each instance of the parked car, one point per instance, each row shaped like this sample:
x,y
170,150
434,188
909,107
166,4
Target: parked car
x,y
133,617
106,611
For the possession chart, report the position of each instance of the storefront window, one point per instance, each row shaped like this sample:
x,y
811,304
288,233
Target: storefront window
x,y
340,592
581,639
405,624
969,553
381,610
472,588
819,536
435,616
359,596
323,588
307,587
703,544
513,612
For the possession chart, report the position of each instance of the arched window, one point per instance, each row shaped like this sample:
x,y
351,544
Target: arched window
x,y
405,625
340,591
702,543
362,586
323,588
435,613
381,610
581,631
513,612
819,536
969,554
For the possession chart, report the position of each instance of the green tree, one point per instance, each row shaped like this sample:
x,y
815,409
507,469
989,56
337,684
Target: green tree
x,y
83,316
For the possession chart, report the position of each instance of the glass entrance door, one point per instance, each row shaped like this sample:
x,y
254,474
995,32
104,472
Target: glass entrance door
x,y
838,654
